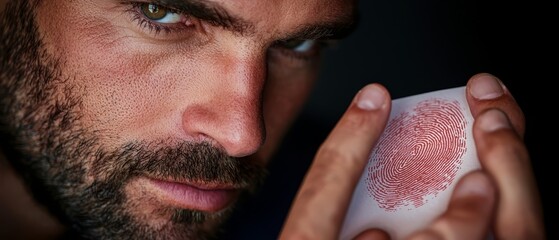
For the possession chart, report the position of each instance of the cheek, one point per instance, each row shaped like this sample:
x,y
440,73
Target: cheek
x,y
125,85
116,87
127,92
97,67
133,97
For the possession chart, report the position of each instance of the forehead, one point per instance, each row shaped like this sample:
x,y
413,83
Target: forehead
x,y
285,10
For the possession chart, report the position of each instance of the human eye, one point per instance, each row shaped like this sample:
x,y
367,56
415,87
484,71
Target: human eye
x,y
302,49
159,14
158,19
299,48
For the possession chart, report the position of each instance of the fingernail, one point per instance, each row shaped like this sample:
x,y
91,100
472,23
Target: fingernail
x,y
486,87
475,185
371,97
493,120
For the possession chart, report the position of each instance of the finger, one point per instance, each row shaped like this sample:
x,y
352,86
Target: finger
x,y
503,155
322,200
373,234
469,212
485,91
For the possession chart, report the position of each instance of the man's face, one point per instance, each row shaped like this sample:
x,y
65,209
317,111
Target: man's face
x,y
138,118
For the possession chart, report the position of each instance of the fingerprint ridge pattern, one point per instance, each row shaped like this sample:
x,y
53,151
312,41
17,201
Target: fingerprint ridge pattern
x,y
419,155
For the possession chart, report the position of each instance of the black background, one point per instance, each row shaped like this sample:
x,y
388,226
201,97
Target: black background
x,y
413,47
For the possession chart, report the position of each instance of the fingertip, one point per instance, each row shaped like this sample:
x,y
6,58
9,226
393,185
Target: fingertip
x,y
485,91
485,86
475,184
372,234
372,97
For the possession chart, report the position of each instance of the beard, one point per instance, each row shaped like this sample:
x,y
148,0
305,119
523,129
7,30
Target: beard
x,y
65,165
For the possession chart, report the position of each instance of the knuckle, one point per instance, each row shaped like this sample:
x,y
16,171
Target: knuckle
x,y
512,149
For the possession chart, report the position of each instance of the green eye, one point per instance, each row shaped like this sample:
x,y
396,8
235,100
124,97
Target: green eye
x,y
153,11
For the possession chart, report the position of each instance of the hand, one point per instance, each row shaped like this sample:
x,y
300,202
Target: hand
x,y
501,199
322,201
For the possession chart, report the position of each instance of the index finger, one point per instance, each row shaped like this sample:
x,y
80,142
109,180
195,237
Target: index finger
x,y
321,203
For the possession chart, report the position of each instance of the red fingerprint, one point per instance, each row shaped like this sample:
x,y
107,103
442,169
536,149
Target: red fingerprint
x,y
418,156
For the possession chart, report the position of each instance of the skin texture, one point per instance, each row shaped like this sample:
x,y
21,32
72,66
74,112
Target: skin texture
x,y
96,109
99,128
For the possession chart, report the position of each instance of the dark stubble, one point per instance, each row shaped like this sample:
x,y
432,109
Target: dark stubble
x,y
46,141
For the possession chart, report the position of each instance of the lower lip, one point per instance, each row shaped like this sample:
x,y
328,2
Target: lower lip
x,y
190,197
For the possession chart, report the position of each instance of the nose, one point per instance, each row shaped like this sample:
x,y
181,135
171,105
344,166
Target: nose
x,y
230,113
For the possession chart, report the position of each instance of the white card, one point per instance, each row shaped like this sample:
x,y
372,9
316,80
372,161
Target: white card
x,y
426,147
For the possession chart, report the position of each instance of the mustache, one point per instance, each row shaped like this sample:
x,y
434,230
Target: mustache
x,y
184,162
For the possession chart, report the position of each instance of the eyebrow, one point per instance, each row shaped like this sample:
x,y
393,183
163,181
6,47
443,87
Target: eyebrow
x,y
219,16
209,12
328,30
